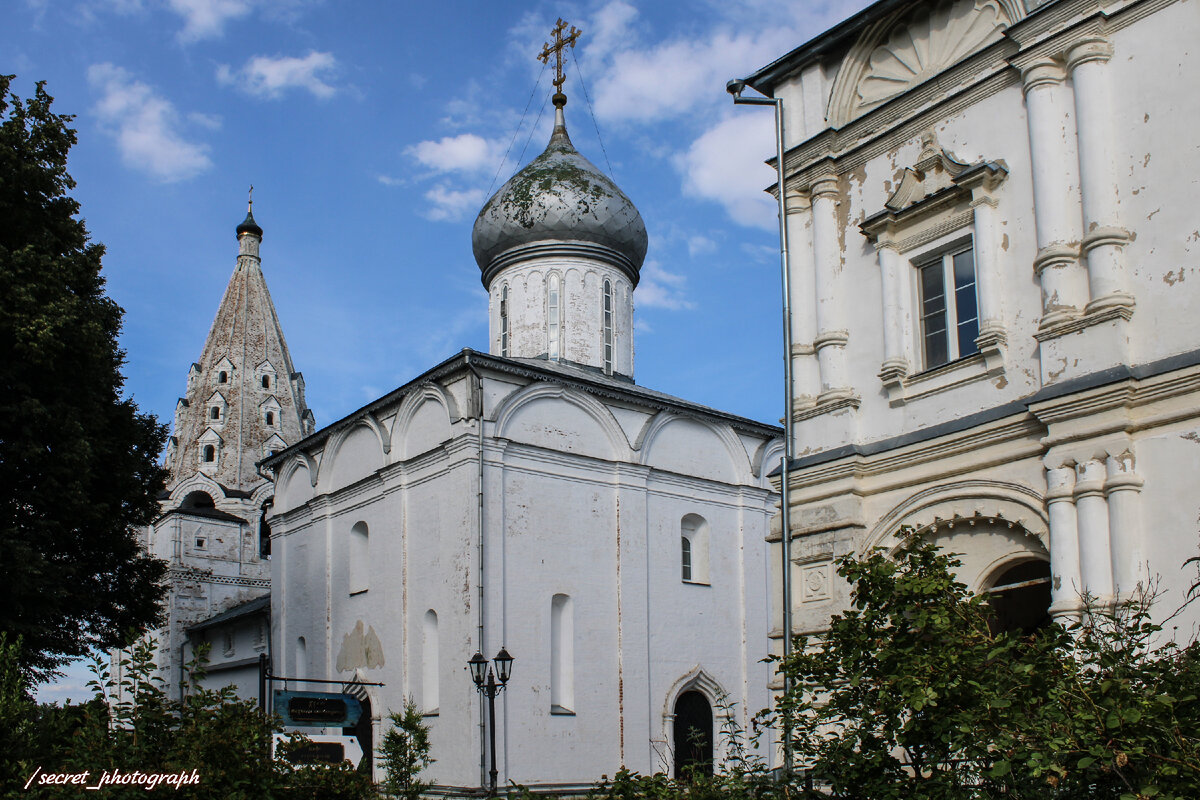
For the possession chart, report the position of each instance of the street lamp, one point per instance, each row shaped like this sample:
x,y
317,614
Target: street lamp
x,y
485,681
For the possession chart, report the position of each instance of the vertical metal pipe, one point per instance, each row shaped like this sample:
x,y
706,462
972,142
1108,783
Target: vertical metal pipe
x,y
788,444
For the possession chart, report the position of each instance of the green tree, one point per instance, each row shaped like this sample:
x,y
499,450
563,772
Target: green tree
x,y
78,467
912,694
405,750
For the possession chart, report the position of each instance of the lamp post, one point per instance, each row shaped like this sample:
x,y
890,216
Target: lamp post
x,y
486,683
735,88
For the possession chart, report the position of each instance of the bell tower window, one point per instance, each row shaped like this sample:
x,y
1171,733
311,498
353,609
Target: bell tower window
x,y
210,453
215,412
222,377
266,381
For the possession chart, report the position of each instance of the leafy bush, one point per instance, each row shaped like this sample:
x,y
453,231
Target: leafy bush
x,y
911,694
226,741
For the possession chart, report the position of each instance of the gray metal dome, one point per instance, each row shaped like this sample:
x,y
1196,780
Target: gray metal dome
x,y
559,204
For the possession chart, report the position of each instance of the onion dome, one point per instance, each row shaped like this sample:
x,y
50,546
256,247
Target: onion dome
x,y
559,204
249,226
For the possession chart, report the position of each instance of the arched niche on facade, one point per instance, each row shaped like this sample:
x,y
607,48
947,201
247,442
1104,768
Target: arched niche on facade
x,y
294,486
690,446
557,418
355,454
423,421
905,49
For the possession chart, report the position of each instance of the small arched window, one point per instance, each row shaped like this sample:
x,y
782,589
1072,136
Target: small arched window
x,y
270,417
504,320
359,555
693,549
210,454
429,662
562,655
553,310
222,377
215,412
608,327
266,381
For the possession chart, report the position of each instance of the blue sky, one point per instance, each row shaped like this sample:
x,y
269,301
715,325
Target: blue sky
x,y
373,132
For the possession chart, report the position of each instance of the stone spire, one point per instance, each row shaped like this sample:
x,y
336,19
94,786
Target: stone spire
x,y
244,397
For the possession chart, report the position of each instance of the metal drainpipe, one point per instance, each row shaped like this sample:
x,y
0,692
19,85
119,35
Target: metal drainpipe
x,y
483,775
735,88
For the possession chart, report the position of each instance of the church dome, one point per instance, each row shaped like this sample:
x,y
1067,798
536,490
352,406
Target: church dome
x,y
559,204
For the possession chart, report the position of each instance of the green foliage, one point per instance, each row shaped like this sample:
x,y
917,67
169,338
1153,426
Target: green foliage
x,y
78,467
131,725
912,695
405,751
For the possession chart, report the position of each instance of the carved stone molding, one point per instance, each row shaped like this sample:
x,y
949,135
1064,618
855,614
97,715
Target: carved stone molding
x,y
907,50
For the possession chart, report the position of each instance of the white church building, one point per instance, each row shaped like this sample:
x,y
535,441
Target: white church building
x,y
535,498
994,274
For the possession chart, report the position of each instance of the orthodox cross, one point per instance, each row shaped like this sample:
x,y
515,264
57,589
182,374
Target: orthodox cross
x,y
560,43
250,207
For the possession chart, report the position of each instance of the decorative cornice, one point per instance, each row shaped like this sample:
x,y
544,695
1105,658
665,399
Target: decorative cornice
x,y
1055,328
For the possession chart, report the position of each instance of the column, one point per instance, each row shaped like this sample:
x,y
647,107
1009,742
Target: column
x,y
1104,239
1064,541
1123,488
830,342
988,280
1095,563
896,314
1055,203
806,375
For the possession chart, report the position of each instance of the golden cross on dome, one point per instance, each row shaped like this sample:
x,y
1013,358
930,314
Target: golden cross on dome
x,y
560,43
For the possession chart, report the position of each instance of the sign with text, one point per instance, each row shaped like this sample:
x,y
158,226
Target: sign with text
x,y
317,709
321,749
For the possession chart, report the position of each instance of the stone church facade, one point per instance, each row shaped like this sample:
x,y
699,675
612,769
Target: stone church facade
x,y
1001,187
535,498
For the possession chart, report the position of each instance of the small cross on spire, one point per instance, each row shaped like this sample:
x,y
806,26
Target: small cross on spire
x,y
560,43
250,207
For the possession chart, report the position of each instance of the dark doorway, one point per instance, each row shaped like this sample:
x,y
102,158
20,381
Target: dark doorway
x,y
693,735
1020,598
365,734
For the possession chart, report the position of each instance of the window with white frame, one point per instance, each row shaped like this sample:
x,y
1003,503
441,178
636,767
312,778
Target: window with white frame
x,y
693,549
949,306
553,312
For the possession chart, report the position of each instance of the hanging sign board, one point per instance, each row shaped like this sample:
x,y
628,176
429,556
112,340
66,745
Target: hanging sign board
x,y
317,709
322,749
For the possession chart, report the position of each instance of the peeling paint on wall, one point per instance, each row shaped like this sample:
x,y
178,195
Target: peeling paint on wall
x,y
360,650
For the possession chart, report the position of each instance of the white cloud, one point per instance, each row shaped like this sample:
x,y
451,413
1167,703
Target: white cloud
x,y
700,245
271,77
205,19
661,289
725,164
450,205
466,152
388,180
145,126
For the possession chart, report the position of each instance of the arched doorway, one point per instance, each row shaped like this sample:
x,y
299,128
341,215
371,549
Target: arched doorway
x,y
365,732
693,735
1020,597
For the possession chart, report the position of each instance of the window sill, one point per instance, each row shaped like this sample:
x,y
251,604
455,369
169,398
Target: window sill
x,y
357,592
434,713
696,583
560,711
902,387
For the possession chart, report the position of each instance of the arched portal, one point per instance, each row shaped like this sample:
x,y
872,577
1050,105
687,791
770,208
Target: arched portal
x,y
1020,596
693,735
